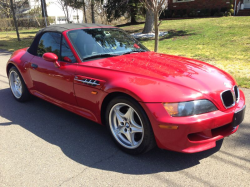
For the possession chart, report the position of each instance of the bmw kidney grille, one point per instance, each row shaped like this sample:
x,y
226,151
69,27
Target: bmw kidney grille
x,y
229,97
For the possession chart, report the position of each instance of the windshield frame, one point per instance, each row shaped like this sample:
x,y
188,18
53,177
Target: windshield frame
x,y
111,28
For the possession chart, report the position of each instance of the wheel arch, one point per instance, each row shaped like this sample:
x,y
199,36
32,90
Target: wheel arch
x,y
10,65
108,98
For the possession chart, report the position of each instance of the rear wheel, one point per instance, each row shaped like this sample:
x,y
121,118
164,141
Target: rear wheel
x,y
129,125
17,85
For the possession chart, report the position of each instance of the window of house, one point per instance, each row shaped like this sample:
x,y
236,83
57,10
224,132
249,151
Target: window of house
x,y
49,42
179,1
61,19
75,17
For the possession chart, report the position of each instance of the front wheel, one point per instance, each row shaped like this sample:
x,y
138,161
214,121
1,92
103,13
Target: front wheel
x,y
129,125
17,85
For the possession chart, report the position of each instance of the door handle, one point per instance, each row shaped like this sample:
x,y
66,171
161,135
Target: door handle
x,y
34,66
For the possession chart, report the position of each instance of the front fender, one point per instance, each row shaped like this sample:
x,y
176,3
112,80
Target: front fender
x,y
148,90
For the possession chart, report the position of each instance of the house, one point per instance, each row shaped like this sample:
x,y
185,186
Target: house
x,y
206,7
56,12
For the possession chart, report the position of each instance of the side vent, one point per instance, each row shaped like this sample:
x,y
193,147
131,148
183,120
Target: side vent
x,y
90,82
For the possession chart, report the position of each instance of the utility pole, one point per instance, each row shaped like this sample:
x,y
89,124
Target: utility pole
x,y
14,18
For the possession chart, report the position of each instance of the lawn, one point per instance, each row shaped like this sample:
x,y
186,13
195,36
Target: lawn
x,y
223,42
8,40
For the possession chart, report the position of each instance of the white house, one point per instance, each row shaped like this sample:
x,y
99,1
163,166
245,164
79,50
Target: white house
x,y
55,11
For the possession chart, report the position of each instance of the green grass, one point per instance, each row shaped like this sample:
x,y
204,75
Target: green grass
x,y
223,42
8,40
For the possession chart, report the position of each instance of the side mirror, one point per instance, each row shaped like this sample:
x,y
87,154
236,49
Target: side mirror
x,y
51,57
67,59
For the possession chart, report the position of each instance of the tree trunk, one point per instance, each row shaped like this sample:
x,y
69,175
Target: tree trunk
x,y
14,18
67,13
84,12
133,15
156,31
149,23
92,11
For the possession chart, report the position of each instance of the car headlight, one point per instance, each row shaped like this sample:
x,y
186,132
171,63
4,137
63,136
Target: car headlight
x,y
189,108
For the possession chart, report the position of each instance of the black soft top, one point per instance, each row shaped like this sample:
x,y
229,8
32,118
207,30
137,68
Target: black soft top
x,y
60,28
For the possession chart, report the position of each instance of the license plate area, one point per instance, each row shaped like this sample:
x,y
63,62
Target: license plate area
x,y
238,117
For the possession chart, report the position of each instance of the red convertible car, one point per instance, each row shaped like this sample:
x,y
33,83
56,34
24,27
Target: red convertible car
x,y
144,98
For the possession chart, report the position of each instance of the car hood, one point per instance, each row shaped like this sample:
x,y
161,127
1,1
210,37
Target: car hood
x,y
190,73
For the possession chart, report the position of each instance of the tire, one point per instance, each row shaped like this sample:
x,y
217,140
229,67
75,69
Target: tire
x,y
129,125
17,85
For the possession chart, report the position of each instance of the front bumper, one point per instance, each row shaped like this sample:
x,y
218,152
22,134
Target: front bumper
x,y
194,133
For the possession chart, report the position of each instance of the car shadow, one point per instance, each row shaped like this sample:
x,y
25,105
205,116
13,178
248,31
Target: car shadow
x,y
4,52
87,142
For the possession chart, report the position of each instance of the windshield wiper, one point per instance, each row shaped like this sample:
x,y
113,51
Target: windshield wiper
x,y
99,56
130,52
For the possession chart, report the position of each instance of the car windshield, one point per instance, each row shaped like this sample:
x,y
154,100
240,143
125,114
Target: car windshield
x,y
103,42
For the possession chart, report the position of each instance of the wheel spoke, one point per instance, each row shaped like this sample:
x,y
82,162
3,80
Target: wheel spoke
x,y
15,77
18,91
133,123
136,130
129,114
119,130
118,115
130,137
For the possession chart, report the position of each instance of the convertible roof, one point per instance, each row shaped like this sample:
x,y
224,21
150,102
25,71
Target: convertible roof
x,y
64,27
60,28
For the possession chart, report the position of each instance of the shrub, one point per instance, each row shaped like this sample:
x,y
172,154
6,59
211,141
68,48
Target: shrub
x,y
216,14
231,11
228,14
205,13
193,13
224,9
221,14
214,11
8,24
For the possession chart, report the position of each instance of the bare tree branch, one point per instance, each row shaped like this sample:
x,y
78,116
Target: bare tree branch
x,y
157,6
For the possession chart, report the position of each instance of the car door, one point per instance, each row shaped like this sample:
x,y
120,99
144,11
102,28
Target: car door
x,y
50,80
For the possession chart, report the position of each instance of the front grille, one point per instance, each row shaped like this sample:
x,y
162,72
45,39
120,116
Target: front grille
x,y
227,98
237,93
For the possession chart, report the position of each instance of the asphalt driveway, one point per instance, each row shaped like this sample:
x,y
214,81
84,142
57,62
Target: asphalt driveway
x,y
44,145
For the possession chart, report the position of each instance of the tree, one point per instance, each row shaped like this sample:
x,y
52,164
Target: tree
x,y
64,4
156,6
149,22
84,10
78,4
118,8
44,11
5,7
92,5
92,10
14,18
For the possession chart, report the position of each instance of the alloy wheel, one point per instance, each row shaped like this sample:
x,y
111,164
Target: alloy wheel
x,y
126,125
15,84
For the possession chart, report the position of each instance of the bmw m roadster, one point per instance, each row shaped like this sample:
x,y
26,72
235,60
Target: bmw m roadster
x,y
144,98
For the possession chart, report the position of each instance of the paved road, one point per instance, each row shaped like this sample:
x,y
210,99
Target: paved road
x,y
44,145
